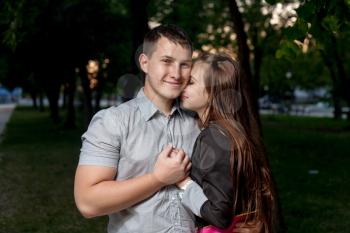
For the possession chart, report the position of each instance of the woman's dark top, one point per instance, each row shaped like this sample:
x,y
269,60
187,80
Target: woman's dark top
x,y
211,170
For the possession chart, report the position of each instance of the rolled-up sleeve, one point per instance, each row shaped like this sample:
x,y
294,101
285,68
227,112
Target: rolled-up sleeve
x,y
101,142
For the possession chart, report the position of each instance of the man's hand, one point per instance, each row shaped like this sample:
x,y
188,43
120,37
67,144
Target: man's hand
x,y
248,227
171,166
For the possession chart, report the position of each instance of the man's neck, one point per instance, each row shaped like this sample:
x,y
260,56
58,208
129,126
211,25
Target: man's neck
x,y
164,105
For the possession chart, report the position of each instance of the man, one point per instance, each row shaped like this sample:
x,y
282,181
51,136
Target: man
x,y
123,170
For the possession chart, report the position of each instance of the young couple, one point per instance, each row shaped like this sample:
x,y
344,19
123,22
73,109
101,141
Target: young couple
x,y
135,158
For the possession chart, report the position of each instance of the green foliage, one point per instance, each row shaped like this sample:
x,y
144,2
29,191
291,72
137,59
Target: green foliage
x,y
306,11
271,2
324,25
204,20
288,50
43,35
331,23
17,16
297,32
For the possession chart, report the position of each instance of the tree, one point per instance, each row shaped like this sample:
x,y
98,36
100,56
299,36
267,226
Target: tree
x,y
244,59
327,23
56,37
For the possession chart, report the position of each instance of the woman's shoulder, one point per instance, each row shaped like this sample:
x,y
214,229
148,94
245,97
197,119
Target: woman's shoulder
x,y
215,136
216,131
213,150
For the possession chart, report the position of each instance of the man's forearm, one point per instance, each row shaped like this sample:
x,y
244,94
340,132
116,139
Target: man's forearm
x,y
107,197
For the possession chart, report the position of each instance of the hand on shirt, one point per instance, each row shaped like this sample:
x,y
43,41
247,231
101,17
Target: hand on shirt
x,y
171,166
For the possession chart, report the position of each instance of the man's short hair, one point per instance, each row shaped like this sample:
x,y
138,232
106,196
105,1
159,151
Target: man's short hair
x,y
172,32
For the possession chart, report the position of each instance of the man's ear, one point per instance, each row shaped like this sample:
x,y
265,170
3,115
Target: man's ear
x,y
143,60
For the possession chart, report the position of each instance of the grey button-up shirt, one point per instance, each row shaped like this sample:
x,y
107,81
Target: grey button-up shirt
x,y
129,137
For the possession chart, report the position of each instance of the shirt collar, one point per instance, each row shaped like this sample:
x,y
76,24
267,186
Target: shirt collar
x,y
148,109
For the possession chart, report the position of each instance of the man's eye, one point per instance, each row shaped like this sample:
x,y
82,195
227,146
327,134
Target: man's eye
x,y
185,65
166,61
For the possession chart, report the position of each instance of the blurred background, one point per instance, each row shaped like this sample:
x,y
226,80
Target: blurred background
x,y
61,61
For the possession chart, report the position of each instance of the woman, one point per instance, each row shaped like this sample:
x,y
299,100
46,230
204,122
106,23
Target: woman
x,y
226,163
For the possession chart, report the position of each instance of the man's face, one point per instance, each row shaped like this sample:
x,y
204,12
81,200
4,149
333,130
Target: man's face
x,y
167,70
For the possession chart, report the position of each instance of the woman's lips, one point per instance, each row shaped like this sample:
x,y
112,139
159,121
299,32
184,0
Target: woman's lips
x,y
183,97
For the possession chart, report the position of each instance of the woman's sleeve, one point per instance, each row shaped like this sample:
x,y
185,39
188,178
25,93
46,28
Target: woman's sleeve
x,y
193,197
214,165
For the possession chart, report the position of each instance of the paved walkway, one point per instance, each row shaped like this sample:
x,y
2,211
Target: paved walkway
x,y
5,114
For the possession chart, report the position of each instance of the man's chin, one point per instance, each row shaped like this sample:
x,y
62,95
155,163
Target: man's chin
x,y
171,94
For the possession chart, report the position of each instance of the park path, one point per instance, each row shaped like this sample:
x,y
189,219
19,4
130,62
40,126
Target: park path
x,y
5,114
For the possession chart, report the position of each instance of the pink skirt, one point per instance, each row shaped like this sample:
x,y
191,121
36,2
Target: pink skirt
x,y
213,229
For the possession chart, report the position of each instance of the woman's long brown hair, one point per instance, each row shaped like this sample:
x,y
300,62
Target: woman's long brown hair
x,y
228,107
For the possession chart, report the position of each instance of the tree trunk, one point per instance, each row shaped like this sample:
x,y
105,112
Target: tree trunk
x,y
70,94
51,80
98,92
336,92
243,56
342,76
87,100
41,101
53,94
139,26
334,63
33,95
257,64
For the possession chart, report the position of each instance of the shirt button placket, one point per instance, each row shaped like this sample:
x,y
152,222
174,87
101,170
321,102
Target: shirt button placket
x,y
168,130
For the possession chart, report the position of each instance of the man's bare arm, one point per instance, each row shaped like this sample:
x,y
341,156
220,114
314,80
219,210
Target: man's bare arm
x,y
97,193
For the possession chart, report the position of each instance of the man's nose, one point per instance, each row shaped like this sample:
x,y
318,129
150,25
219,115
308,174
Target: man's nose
x,y
175,72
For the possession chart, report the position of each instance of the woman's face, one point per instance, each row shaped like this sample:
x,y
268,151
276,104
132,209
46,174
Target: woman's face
x,y
195,96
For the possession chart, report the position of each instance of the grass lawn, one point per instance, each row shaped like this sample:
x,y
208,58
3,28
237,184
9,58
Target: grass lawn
x,y
311,202
37,164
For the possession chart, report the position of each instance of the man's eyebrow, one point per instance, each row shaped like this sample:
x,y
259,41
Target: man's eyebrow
x,y
172,58
187,61
167,57
193,78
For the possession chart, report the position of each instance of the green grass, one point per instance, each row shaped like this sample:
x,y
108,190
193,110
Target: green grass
x,y
311,203
37,165
38,160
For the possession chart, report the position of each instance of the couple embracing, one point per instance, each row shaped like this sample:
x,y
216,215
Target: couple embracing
x,y
179,157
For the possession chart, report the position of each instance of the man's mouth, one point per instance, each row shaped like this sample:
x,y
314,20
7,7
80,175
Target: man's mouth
x,y
175,84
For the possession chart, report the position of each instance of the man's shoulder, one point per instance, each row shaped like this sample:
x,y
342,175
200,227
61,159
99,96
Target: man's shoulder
x,y
123,108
